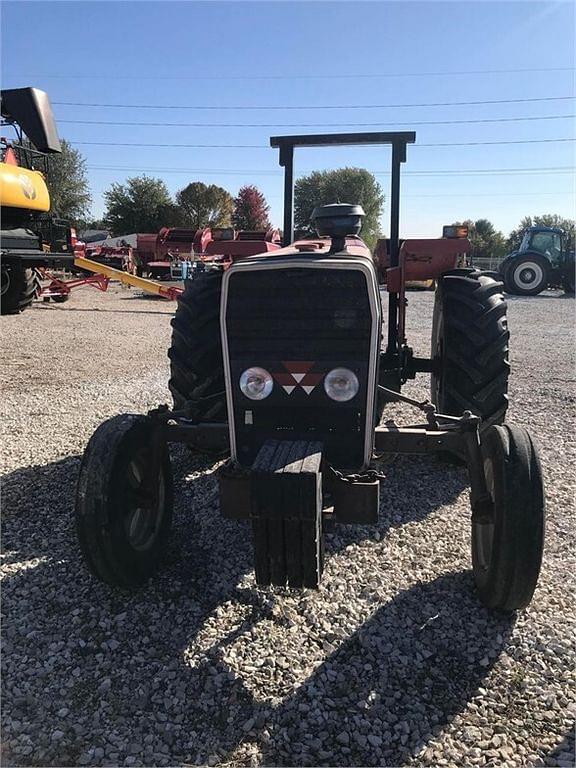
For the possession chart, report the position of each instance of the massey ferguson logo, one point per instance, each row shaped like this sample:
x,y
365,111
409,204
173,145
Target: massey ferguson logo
x,y
297,374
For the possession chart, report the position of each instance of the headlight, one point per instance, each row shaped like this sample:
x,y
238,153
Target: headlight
x,y
256,383
341,384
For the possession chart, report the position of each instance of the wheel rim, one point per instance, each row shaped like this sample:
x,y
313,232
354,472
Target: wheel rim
x,y
143,516
528,275
485,531
5,282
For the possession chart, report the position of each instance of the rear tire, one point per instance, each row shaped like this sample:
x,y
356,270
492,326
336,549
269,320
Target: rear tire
x,y
527,276
196,363
123,516
470,346
19,288
507,552
569,279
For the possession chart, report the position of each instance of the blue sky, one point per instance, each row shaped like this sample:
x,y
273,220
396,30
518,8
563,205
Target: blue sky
x,y
313,54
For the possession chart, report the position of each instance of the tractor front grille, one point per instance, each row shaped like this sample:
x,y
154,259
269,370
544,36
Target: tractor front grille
x,y
295,319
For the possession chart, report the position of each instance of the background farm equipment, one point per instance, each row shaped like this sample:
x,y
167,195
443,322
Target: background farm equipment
x,y
114,256
416,256
545,259
27,230
217,244
99,276
277,360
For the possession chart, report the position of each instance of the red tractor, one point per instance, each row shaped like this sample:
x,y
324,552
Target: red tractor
x,y
279,361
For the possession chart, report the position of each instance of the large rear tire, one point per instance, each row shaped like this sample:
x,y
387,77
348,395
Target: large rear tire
x,y
123,514
507,550
196,363
569,279
470,346
19,288
527,276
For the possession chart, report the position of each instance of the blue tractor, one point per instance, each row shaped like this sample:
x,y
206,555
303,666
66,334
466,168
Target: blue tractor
x,y
545,259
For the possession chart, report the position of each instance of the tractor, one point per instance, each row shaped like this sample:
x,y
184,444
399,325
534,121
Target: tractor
x,y
545,259
283,363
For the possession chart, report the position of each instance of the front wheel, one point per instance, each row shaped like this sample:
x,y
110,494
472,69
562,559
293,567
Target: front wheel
x,y
507,549
123,503
527,276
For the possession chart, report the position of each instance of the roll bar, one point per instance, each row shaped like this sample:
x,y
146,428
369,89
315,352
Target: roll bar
x,y
398,141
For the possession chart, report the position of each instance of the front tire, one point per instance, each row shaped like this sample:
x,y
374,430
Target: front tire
x,y
19,288
196,363
470,346
123,514
507,551
527,276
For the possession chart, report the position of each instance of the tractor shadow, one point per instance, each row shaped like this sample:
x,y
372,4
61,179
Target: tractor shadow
x,y
167,651
564,753
414,488
427,650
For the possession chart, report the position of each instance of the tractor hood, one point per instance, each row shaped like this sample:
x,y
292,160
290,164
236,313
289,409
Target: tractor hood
x,y
30,108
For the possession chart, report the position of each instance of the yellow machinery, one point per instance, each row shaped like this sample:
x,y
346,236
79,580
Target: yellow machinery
x,y
22,188
109,273
24,197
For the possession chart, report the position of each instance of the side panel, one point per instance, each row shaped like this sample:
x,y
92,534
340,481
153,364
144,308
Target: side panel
x,y
422,259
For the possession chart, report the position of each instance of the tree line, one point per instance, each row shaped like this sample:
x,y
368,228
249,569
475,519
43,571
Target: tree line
x,y
144,204
488,242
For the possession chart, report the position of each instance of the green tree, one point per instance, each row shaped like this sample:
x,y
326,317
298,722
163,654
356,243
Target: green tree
x,y
487,242
546,220
142,204
205,205
344,185
250,209
97,224
67,182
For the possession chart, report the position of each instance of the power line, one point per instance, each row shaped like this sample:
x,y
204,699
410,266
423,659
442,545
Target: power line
x,y
491,194
491,143
362,75
318,125
267,146
244,107
550,170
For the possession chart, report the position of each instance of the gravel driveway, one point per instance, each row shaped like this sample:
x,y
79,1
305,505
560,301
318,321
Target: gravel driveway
x,y
392,662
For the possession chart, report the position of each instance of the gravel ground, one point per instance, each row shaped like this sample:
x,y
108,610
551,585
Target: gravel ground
x,y
392,662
